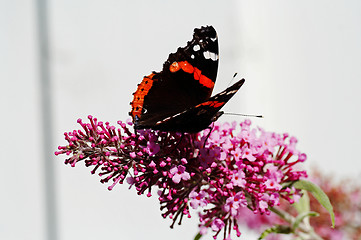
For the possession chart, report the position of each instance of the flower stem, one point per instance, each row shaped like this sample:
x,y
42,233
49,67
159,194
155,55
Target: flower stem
x,y
306,230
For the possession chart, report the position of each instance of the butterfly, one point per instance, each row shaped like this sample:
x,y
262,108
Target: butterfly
x,y
178,99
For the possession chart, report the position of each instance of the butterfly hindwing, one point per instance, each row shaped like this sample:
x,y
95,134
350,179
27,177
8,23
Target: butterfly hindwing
x,y
200,116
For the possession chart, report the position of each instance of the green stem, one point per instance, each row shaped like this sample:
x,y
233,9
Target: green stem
x,y
305,229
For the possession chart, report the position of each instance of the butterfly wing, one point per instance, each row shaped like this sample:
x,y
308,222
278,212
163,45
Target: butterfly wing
x,y
187,79
200,116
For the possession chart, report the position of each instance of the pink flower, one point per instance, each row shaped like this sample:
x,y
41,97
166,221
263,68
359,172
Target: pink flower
x,y
152,148
237,154
272,184
198,199
226,174
217,225
272,172
234,203
203,230
248,154
263,205
179,173
238,179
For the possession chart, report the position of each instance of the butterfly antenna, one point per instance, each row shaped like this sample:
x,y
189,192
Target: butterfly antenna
x,y
244,115
234,75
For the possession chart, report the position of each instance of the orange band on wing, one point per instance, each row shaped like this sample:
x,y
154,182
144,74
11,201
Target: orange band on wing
x,y
197,74
138,100
214,104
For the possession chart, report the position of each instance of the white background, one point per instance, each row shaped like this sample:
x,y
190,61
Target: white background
x,y
301,61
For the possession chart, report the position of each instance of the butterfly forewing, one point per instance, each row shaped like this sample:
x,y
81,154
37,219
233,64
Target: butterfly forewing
x,y
187,79
177,99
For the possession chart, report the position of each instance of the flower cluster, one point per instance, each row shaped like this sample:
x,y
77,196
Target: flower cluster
x,y
221,172
345,196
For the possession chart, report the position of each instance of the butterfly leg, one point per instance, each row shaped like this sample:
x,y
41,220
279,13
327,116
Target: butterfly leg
x,y
209,133
177,143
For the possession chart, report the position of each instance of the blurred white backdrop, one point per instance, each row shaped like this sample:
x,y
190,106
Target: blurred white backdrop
x,y
301,61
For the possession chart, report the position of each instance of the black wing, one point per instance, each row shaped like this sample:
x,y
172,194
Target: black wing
x,y
200,116
187,79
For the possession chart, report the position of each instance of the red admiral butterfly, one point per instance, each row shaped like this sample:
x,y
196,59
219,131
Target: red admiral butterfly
x,y
177,99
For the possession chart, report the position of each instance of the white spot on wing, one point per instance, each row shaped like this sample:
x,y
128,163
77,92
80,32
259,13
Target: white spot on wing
x,y
206,55
214,39
214,56
192,56
196,48
210,55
